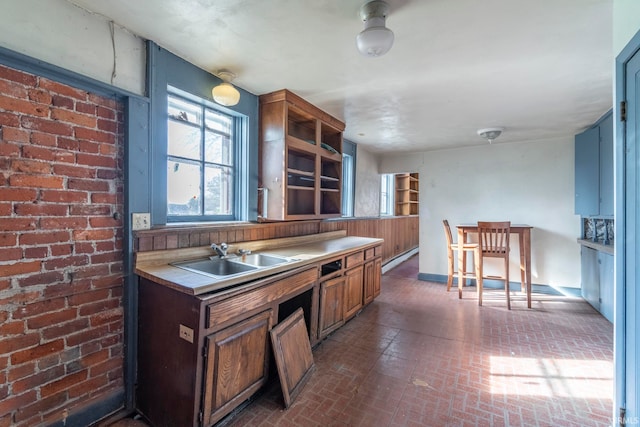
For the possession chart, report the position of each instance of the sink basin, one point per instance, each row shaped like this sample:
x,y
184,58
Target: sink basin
x,y
215,267
260,260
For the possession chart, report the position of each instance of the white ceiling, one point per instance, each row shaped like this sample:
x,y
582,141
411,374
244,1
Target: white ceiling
x,y
540,69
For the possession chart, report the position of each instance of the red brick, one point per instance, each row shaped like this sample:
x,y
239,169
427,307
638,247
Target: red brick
x,y
30,166
30,109
18,224
8,239
100,222
84,247
40,406
37,352
19,268
85,146
37,252
88,297
45,125
73,118
19,299
108,150
91,271
10,254
107,198
107,174
13,89
5,208
21,77
105,317
95,135
90,210
11,328
97,307
103,103
62,89
49,361
100,234
49,319
74,171
14,402
58,223
63,101
67,143
15,135
38,379
105,367
63,383
37,308
45,238
18,194
40,209
59,331
13,344
52,155
88,185
83,107
95,358
40,96
21,371
56,263
8,149
87,387
60,250
49,278
108,257
44,139
86,336
66,289
96,160
38,181
64,196
106,246
8,118
108,126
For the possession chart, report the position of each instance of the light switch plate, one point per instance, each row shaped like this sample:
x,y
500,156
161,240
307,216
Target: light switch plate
x,y
186,333
140,221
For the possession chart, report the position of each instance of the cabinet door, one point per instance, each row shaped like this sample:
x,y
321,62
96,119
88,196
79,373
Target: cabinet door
x,y
369,282
606,285
377,277
353,291
587,166
236,365
331,306
590,282
606,166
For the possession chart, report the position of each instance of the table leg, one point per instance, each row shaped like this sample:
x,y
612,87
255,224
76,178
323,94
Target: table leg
x,y
527,247
523,266
462,260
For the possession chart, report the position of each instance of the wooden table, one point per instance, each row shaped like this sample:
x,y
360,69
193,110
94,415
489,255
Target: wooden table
x,y
524,239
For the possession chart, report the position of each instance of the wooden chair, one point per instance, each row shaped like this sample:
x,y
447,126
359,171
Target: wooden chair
x,y
493,238
461,246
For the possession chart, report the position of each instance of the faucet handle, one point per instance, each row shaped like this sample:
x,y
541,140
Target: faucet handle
x,y
224,246
244,251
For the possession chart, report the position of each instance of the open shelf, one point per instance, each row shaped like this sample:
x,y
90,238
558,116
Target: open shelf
x,y
407,194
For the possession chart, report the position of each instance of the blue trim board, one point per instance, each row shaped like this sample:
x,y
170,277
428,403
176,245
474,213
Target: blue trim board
x,y
498,284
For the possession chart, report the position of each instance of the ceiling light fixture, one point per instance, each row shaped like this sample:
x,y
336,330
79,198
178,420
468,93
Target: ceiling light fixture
x,y
490,134
375,39
225,93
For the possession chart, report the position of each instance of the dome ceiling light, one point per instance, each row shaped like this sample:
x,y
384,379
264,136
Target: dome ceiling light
x,y
375,39
490,134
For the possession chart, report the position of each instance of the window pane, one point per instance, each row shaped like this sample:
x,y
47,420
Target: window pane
x,y
184,141
218,149
182,110
347,185
183,188
219,122
218,182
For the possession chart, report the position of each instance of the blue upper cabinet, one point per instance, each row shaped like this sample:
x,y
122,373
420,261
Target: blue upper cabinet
x,y
587,182
594,169
606,166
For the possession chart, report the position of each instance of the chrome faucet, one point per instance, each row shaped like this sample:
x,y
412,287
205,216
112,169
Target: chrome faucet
x,y
242,252
220,250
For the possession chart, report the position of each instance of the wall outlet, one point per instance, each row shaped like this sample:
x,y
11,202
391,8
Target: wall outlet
x,y
140,221
186,333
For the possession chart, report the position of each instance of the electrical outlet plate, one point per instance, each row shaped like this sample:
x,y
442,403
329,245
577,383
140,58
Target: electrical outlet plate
x,y
140,221
186,333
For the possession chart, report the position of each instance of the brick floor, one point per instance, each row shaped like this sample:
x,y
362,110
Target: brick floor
x,y
419,356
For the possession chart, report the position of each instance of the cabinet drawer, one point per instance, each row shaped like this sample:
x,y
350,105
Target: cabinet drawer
x,y
221,312
354,259
369,253
378,250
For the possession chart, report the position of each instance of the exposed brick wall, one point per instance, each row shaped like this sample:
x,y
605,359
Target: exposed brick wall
x,y
61,261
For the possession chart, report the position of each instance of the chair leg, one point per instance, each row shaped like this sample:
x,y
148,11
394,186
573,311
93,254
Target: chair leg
x,y
506,282
450,271
478,265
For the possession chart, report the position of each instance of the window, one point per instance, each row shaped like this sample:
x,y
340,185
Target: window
x,y
202,160
386,195
347,185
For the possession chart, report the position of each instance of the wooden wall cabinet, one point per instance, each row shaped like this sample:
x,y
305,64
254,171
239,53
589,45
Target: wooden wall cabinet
x,y
300,159
407,194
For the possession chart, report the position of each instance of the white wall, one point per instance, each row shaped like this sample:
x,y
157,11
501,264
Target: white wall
x,y
530,183
57,32
626,22
367,193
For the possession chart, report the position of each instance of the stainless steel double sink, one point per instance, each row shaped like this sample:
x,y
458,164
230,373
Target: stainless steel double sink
x,y
224,267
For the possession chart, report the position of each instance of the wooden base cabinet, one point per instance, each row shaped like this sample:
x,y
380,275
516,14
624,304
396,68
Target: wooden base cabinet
x,y
237,365
372,278
331,306
353,291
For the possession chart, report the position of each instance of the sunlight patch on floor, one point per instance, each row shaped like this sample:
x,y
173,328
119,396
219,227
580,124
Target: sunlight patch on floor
x,y
552,377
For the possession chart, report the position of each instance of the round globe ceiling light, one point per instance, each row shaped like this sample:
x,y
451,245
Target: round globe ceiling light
x,y
225,93
376,39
